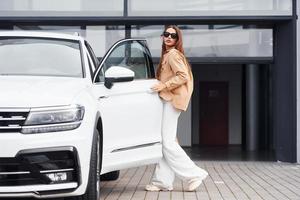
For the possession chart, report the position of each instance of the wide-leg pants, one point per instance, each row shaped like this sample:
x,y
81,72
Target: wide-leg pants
x,y
175,161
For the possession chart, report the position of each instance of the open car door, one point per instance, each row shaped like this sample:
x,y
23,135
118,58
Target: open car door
x,y
131,113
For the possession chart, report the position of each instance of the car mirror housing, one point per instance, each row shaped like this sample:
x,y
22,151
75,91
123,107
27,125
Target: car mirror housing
x,y
117,74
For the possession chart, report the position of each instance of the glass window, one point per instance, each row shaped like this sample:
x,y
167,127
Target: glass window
x,y
58,29
209,7
101,38
131,55
61,8
40,57
213,41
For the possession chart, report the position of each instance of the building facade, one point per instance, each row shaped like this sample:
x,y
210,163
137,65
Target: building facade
x,y
243,55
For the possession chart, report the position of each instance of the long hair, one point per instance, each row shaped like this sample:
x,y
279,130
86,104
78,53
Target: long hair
x,y
178,45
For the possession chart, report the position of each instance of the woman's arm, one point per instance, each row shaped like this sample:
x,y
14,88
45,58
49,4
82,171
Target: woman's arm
x,y
177,64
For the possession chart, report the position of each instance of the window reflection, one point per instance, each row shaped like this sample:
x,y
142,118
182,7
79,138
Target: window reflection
x,y
199,40
101,38
61,8
213,40
209,7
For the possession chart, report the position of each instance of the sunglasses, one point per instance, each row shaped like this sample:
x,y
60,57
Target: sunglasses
x,y
167,34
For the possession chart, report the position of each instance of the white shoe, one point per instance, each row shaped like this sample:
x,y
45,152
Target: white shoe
x,y
154,188
195,183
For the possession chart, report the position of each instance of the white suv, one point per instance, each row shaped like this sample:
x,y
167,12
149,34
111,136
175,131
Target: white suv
x,y
66,118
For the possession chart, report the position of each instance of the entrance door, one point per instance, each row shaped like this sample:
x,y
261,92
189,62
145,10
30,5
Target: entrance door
x,y
213,112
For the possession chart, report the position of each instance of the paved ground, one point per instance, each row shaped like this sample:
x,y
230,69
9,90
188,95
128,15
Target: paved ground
x,y
228,180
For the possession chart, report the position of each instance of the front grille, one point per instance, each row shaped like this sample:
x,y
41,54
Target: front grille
x,y
33,168
12,120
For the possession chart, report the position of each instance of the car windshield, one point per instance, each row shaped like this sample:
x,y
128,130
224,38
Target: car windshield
x,y
40,57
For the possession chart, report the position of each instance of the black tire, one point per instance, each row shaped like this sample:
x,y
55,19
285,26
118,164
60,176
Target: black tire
x,y
110,176
93,189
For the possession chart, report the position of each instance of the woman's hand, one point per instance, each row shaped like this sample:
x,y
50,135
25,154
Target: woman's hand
x,y
158,87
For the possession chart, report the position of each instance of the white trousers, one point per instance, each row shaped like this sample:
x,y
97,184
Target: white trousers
x,y
175,161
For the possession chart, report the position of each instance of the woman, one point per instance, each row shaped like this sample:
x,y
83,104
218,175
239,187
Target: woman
x,y
175,88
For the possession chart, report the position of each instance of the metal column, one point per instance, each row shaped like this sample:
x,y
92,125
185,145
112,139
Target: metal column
x,y
252,107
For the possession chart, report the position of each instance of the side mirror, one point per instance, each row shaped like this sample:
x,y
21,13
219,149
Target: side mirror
x,y
117,74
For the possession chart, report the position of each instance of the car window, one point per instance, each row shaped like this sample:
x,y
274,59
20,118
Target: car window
x,y
131,55
40,57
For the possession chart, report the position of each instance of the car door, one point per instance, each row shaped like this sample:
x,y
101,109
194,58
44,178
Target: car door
x,y
131,113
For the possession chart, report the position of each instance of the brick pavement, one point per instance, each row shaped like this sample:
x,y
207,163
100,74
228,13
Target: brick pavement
x,y
228,180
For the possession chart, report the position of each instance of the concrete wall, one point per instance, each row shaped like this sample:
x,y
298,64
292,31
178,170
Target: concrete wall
x,y
232,74
298,84
184,130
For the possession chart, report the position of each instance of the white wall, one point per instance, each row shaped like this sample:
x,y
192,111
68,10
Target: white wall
x,y
298,84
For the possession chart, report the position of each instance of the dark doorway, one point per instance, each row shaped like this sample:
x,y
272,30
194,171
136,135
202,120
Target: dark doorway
x,y
213,113
219,113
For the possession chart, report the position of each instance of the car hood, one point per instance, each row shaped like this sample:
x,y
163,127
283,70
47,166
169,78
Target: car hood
x,y
36,91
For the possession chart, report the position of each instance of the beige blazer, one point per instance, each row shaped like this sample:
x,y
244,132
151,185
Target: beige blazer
x,y
179,82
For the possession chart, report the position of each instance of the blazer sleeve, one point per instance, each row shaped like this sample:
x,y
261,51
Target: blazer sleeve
x,y
177,64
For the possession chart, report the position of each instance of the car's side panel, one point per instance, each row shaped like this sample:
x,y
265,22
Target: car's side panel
x,y
133,157
131,116
131,113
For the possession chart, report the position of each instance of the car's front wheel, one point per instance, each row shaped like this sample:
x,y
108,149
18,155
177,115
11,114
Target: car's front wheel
x,y
93,188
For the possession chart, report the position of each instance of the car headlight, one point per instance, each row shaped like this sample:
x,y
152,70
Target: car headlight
x,y
53,119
